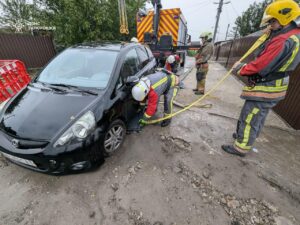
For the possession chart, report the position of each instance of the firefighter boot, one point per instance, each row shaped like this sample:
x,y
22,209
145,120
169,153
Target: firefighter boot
x,y
200,88
196,89
199,92
231,150
234,136
165,123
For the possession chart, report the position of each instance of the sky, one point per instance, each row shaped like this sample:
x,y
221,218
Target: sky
x,y
201,14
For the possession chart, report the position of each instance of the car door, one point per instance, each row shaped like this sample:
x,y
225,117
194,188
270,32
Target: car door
x,y
130,67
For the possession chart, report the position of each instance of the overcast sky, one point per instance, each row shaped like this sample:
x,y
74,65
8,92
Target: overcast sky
x,y
201,14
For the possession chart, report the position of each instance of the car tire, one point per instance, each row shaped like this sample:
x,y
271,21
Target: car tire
x,y
114,137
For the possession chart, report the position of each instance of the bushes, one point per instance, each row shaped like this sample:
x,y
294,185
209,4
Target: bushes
x,y
192,53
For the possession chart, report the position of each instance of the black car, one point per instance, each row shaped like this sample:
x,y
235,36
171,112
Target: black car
x,y
76,111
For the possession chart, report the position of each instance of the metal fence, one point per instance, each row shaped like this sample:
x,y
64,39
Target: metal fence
x,y
289,109
34,51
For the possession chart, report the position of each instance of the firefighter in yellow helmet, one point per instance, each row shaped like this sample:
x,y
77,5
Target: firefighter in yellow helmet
x,y
202,57
268,74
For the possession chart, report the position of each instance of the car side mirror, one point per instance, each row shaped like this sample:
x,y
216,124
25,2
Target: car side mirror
x,y
132,80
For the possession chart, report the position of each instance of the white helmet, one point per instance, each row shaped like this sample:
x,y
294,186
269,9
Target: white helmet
x,y
135,40
171,59
141,89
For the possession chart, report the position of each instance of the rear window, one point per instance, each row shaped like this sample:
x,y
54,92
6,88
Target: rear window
x,y
80,67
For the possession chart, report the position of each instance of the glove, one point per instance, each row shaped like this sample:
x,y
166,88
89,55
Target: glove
x,y
267,30
165,123
237,67
142,122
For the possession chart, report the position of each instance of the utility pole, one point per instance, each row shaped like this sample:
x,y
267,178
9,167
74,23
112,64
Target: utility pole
x,y
231,44
220,7
227,31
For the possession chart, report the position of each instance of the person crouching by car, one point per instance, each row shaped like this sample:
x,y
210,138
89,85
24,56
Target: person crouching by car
x,y
150,88
172,63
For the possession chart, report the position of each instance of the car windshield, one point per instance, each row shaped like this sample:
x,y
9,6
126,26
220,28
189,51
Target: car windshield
x,y
80,67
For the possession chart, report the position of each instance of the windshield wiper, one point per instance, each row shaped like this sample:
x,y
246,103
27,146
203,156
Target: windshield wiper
x,y
64,85
87,91
51,87
76,88
41,88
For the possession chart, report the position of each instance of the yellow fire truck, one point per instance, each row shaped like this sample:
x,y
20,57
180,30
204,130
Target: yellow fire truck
x,y
165,31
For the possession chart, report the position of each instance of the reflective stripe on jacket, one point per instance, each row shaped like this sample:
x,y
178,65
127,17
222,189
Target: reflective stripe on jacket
x,y
159,86
278,54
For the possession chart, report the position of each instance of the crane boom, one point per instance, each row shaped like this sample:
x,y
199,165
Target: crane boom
x,y
157,6
123,17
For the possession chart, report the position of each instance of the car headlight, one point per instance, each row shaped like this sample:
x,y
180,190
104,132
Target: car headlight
x,y
80,129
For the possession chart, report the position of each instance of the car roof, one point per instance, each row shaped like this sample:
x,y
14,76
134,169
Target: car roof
x,y
114,46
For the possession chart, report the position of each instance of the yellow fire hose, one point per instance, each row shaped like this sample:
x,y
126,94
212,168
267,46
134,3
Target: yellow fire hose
x,y
254,46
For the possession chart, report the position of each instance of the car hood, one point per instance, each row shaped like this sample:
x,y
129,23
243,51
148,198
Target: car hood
x,y
39,115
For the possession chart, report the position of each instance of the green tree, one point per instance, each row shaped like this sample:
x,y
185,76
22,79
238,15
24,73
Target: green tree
x,y
16,15
86,20
74,21
250,20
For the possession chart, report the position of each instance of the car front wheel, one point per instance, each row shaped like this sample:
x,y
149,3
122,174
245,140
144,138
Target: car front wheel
x,y
114,137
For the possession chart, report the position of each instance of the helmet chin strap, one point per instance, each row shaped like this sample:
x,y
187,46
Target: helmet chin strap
x,y
279,29
297,21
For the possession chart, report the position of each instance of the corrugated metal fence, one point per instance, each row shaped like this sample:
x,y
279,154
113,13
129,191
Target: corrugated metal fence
x,y
289,108
34,51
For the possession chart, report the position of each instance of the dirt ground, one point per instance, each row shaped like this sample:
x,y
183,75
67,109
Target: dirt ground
x,y
171,176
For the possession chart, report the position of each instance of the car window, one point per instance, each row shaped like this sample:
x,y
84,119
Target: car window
x,y
120,83
143,56
80,67
131,64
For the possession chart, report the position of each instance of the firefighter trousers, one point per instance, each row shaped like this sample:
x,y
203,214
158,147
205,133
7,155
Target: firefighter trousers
x,y
168,100
251,122
201,73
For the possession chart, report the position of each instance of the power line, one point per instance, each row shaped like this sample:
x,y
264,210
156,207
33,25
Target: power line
x,y
227,15
197,6
197,10
236,12
199,3
227,32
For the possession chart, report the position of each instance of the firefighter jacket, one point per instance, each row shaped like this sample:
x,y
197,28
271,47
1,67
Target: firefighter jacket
x,y
204,53
276,59
161,83
171,67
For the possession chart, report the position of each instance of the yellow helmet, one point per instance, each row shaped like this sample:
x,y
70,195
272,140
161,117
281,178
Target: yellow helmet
x,y
285,11
207,35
